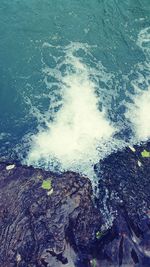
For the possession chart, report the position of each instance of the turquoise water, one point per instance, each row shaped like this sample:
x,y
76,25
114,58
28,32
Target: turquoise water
x,y
110,37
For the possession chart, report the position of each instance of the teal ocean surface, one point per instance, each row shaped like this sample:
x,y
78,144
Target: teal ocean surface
x,y
74,80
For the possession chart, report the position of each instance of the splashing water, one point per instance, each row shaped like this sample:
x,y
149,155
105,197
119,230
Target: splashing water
x,y
79,128
77,133
139,112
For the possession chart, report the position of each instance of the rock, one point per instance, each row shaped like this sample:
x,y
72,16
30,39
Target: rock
x,y
49,219
41,229
124,196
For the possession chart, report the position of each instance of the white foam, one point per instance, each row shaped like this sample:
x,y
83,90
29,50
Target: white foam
x,y
77,134
139,115
139,112
79,128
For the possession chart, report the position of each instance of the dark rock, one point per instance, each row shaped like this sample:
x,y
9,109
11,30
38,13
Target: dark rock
x,y
124,196
36,227
62,226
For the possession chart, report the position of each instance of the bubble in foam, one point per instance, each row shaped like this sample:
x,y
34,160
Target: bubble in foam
x,y
79,128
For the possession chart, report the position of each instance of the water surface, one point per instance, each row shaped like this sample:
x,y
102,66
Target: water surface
x,y
75,79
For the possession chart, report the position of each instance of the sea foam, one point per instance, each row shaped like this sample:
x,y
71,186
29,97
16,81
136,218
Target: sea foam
x,y
78,133
78,130
138,113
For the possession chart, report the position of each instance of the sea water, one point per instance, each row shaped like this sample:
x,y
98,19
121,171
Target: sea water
x,y
75,80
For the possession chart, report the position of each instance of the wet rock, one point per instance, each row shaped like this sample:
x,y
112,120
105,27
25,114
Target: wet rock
x,y
124,199
38,228
56,224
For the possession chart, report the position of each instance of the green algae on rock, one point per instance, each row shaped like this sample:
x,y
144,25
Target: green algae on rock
x,y
47,185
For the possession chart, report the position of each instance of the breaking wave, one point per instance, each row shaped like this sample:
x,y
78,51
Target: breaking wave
x,y
138,112
78,128
76,135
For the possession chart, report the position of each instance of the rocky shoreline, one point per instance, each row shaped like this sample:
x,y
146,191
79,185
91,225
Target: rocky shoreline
x,y
49,219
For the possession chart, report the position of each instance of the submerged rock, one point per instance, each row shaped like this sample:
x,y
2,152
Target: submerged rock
x,y
38,225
